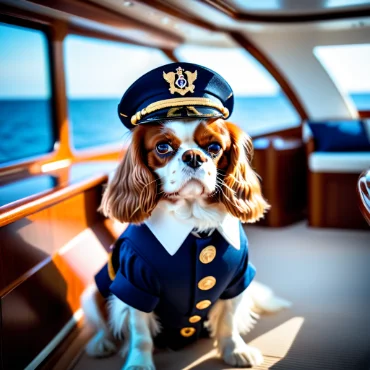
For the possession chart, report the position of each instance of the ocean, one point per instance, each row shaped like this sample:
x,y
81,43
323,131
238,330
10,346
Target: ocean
x,y
26,127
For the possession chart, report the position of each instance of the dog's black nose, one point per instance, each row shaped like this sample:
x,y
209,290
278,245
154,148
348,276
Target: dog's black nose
x,y
193,158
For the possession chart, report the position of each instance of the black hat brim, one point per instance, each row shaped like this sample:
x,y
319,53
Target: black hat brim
x,y
185,112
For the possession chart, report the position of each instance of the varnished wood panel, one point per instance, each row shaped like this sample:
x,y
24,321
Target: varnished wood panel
x,y
79,264
37,308
29,241
281,165
333,201
24,244
1,336
73,215
32,314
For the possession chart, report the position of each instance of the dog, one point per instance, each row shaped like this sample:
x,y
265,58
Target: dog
x,y
181,268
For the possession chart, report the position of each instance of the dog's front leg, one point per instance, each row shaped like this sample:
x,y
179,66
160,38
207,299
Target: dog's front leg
x,y
135,328
225,326
140,353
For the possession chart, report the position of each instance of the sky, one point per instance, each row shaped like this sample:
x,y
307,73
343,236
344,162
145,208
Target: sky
x,y
100,69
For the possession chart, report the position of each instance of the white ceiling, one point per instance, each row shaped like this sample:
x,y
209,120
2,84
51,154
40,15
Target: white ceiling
x,y
288,45
290,7
191,33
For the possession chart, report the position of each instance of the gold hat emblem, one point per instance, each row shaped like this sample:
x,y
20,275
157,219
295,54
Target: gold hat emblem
x,y
182,84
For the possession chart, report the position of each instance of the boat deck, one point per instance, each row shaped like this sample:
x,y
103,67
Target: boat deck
x,y
325,274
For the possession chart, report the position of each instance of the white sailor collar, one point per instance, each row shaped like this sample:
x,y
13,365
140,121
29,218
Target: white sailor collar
x,y
171,232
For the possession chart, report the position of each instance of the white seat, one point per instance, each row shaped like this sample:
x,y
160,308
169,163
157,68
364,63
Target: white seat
x,y
339,162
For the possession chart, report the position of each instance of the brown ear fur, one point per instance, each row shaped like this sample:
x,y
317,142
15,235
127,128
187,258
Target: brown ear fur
x,y
131,195
241,188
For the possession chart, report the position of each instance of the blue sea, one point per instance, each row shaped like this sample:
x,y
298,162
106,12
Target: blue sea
x,y
26,126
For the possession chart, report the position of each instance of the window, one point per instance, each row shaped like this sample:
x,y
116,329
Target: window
x,y
26,187
348,66
98,72
26,128
260,105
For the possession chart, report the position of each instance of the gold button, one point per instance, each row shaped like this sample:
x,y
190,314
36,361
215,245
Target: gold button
x,y
208,254
203,304
194,319
207,283
187,332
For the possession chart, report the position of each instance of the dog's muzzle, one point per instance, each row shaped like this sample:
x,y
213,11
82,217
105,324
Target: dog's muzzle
x,y
193,158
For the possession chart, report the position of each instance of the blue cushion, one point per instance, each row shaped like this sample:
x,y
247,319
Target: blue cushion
x,y
340,136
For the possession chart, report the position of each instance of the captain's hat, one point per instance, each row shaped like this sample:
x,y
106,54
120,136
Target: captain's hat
x,y
176,91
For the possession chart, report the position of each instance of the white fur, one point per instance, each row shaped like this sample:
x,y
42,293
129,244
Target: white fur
x,y
176,176
137,329
196,211
102,344
264,299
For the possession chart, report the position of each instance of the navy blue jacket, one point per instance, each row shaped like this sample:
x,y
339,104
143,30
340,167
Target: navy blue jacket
x,y
145,276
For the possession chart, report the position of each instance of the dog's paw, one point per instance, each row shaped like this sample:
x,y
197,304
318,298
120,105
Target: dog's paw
x,y
238,354
100,345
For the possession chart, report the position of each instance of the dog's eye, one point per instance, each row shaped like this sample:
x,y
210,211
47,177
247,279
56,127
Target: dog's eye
x,y
163,148
214,148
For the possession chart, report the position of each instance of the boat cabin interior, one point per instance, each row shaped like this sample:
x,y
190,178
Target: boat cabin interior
x,y
300,75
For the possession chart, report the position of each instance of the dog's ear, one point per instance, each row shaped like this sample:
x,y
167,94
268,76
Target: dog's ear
x,y
131,195
241,191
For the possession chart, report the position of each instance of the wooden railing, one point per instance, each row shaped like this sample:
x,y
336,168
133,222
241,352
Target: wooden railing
x,y
52,244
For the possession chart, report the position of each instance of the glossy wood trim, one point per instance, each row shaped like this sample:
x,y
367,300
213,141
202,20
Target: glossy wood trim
x,y
227,9
364,113
81,31
61,119
171,55
101,14
363,192
25,18
252,49
310,146
29,205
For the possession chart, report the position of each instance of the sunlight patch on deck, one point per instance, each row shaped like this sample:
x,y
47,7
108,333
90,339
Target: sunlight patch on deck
x,y
204,358
278,341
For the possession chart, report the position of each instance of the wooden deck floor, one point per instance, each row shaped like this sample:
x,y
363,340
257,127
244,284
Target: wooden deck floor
x,y
326,275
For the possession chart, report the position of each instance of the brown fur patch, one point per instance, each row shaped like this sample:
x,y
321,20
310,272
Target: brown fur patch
x,y
153,135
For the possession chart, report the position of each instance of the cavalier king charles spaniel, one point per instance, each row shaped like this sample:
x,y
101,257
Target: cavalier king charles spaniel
x,y
199,172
